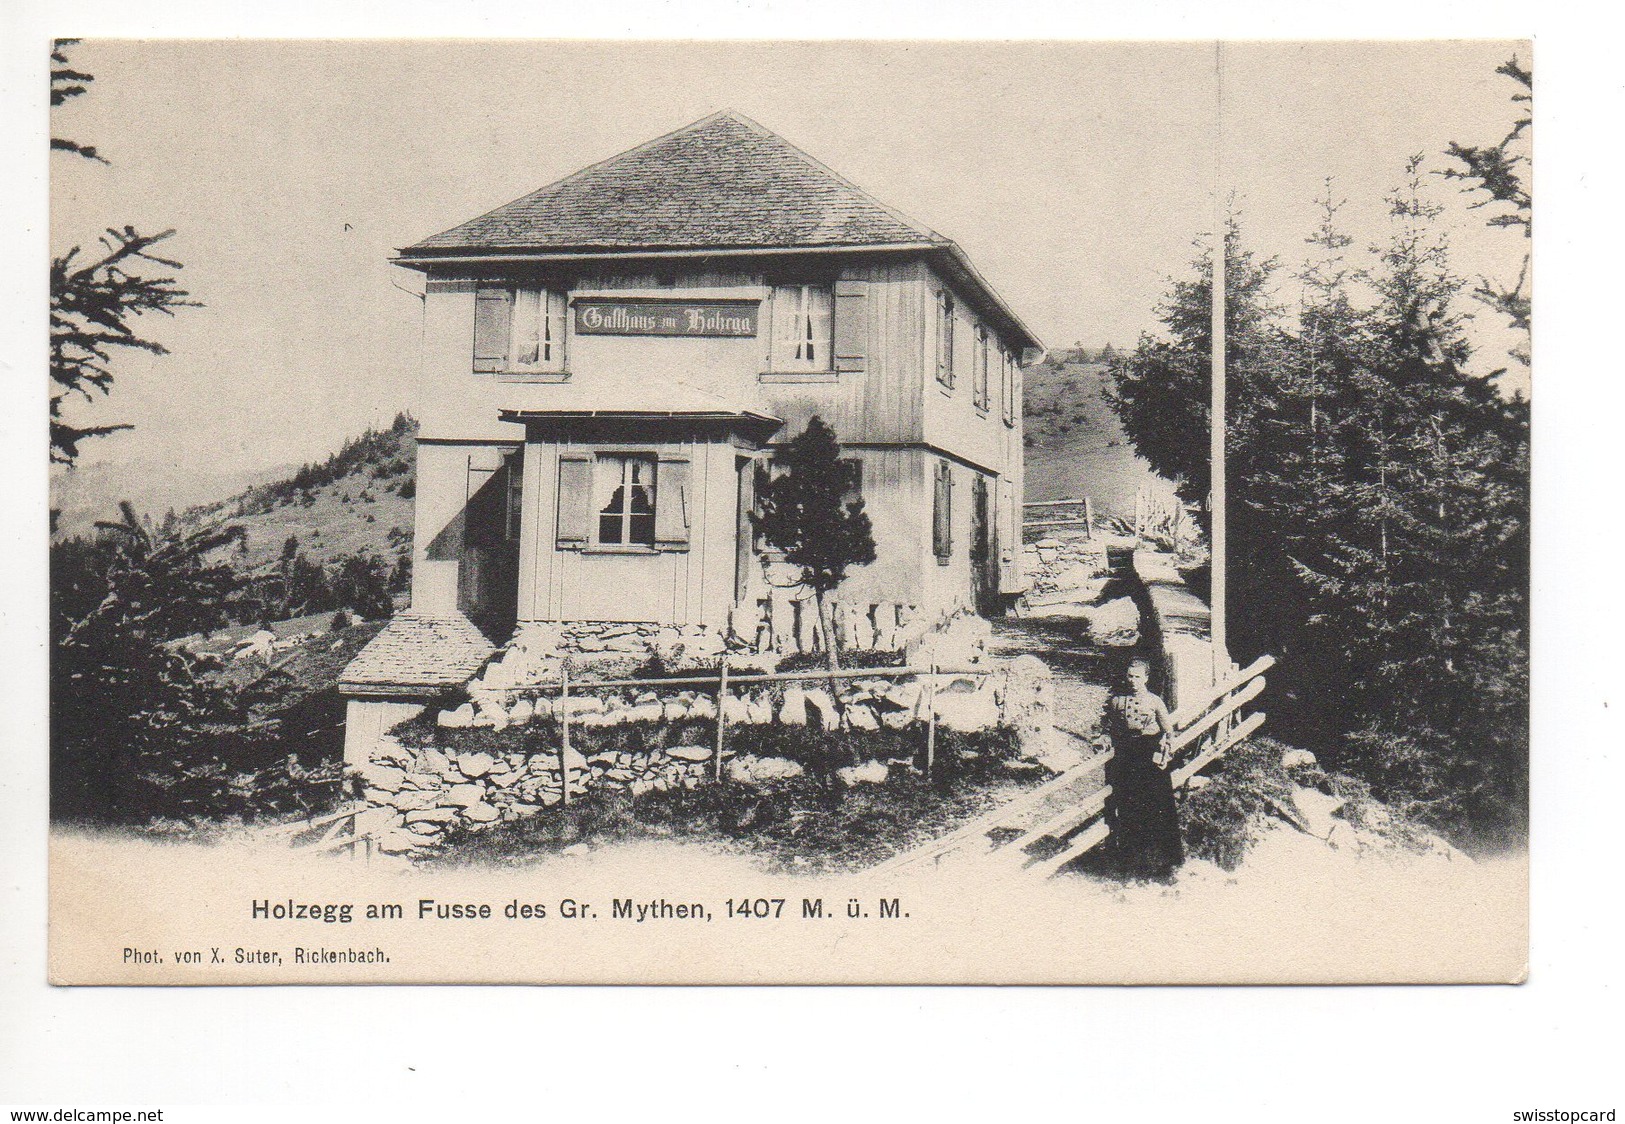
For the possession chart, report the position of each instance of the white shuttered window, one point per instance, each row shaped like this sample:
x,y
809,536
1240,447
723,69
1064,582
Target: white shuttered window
x,y
537,341
802,319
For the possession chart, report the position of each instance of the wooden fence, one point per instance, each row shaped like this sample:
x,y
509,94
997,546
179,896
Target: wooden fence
x,y
1067,814
1084,518
721,682
335,831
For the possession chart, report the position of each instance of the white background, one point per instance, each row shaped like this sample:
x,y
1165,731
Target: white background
x,y
360,1054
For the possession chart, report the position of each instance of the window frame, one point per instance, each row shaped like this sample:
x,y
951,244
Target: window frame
x,y
513,513
945,339
625,457
942,512
1007,381
552,310
980,373
782,345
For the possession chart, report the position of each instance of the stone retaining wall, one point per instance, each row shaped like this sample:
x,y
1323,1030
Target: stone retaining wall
x,y
1181,625
418,792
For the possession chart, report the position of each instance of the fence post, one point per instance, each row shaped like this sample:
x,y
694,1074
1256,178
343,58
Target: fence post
x,y
564,732
722,712
1088,518
931,719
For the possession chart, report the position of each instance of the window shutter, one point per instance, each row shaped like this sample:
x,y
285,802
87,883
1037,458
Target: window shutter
x,y
942,509
851,325
672,515
493,314
575,500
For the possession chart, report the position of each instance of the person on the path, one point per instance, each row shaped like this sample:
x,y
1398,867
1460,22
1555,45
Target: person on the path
x,y
1140,811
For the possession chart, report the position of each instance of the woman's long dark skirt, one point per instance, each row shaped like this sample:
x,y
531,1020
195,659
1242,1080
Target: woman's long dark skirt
x,y
1144,821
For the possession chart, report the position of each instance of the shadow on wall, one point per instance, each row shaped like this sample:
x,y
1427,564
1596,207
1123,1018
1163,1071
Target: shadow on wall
x,y
480,539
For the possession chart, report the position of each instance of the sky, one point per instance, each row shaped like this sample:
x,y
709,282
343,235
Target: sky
x,y
1077,177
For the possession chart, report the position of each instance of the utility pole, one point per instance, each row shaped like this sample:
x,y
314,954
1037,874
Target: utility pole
x,y
1216,426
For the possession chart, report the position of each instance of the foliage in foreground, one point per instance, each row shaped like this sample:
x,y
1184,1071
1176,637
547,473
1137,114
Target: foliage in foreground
x,y
1379,511
143,729
96,299
1247,792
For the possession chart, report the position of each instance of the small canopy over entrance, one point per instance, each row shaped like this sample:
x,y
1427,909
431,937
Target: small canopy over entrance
x,y
657,407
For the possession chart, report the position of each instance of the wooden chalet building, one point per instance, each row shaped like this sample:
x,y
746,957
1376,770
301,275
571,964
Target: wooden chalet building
x,y
609,362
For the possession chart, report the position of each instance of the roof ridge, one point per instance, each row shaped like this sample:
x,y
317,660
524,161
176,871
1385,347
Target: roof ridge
x,y
727,113
580,172
819,165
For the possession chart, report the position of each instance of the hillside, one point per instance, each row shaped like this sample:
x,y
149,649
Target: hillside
x,y
1075,444
357,501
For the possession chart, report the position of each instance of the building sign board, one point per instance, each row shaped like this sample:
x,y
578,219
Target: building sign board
x,y
663,317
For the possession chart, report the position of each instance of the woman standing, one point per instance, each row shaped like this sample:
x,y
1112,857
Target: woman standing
x,y
1144,822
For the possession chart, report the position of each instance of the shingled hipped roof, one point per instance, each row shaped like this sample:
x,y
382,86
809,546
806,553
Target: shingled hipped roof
x,y
722,182
418,651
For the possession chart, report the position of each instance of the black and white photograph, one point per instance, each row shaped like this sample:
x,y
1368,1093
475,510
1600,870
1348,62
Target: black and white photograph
x,y
915,511
1146,531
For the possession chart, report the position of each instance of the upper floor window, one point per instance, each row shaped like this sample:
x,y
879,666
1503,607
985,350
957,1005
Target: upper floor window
x,y
803,317
1008,385
537,341
945,338
981,359
519,329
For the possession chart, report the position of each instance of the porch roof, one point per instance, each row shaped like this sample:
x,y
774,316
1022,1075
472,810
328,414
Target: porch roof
x,y
418,651
665,399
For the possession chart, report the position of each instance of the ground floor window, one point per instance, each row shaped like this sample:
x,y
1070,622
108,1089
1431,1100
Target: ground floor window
x,y
624,494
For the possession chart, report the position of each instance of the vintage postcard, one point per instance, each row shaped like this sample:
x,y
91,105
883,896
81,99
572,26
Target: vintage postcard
x,y
788,512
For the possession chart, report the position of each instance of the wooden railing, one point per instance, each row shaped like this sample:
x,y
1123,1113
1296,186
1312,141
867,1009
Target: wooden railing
x,y
1204,730
335,831
1086,521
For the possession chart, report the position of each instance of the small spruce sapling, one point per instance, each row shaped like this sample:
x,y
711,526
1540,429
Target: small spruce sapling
x,y
811,514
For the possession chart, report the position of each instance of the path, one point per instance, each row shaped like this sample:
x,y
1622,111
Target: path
x,y
1046,828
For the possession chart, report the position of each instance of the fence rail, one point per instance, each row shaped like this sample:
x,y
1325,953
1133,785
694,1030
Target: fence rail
x,y
724,680
1081,823
1085,519
338,830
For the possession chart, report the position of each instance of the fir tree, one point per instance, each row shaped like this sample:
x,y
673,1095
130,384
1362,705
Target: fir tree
x,y
126,704
95,300
1496,176
806,513
1379,510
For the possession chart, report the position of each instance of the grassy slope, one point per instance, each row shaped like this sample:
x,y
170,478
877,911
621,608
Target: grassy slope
x,y
363,509
1075,444
345,517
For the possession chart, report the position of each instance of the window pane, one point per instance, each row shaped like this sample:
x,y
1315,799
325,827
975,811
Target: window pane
x,y
552,349
802,320
527,322
625,490
819,301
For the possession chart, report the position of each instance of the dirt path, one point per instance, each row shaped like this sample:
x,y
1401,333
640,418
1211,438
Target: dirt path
x,y
1082,669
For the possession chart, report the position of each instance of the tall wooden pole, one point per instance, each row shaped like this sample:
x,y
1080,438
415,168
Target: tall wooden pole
x,y
1216,428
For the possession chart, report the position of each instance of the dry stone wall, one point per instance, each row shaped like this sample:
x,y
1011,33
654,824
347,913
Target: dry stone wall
x,y
419,792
